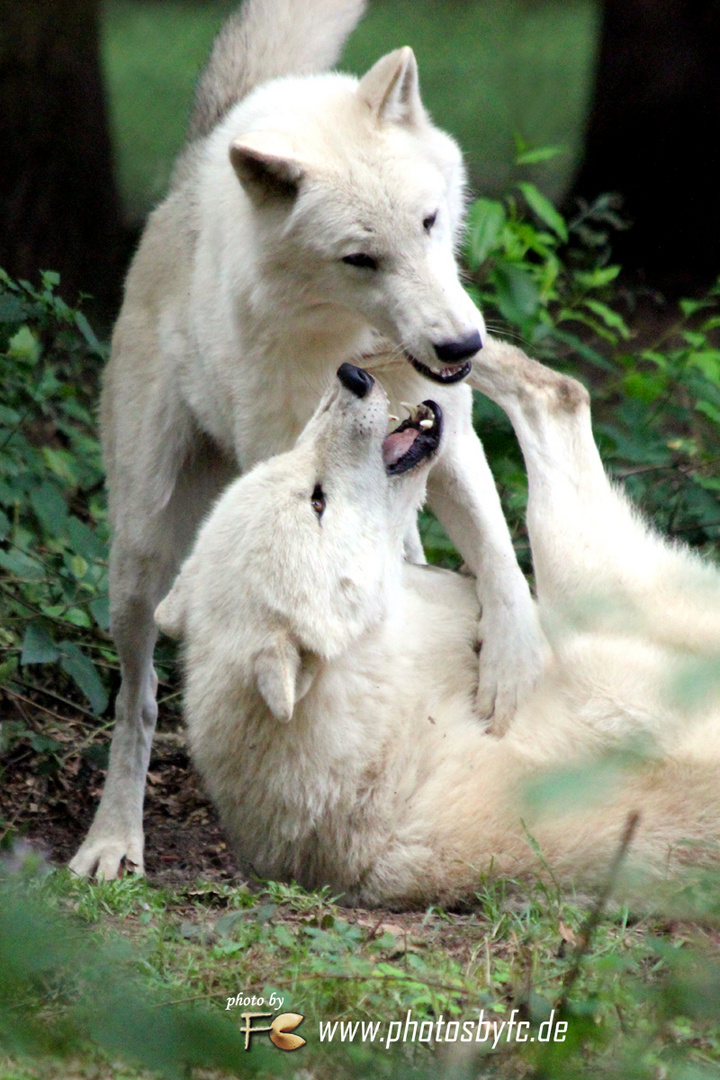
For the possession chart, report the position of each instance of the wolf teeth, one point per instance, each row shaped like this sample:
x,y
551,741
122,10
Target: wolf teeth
x,y
419,414
394,419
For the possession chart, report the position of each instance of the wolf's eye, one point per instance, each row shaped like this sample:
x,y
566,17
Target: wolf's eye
x,y
366,262
317,500
429,221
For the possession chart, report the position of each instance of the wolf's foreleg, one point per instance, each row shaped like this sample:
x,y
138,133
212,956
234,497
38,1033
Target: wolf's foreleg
x,y
462,492
414,552
149,543
116,835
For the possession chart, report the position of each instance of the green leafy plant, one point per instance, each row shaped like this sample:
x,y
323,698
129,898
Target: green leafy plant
x,y
549,284
660,424
53,528
531,268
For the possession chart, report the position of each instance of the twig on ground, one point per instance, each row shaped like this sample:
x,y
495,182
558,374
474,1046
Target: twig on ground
x,y
595,913
34,704
58,697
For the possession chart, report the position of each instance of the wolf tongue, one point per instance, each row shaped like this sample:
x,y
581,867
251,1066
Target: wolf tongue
x,y
397,444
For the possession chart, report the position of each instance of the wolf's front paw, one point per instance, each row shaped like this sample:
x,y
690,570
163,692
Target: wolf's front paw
x,y
109,856
511,663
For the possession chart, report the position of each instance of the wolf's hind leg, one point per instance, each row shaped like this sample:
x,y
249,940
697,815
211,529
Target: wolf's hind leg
x,y
589,547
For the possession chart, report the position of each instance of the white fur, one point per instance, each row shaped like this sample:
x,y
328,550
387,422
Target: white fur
x,y
379,781
238,310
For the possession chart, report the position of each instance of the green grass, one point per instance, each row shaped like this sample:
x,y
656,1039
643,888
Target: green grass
x,y
489,69
644,1002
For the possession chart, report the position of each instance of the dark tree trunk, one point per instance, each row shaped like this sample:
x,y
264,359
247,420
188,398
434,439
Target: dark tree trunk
x,y
654,137
59,208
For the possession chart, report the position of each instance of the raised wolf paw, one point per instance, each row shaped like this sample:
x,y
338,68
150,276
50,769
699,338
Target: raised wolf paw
x,y
506,375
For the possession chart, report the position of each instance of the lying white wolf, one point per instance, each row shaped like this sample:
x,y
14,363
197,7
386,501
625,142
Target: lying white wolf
x,y
330,685
308,213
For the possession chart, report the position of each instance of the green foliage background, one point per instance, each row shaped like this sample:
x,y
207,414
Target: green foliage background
x,y
52,501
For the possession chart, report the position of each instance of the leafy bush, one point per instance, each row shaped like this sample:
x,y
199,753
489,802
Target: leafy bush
x,y
660,424
53,527
548,283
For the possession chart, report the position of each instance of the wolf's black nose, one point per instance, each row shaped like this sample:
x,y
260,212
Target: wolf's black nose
x,y
356,379
452,352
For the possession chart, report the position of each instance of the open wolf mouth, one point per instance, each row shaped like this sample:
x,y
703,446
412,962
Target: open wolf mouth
x,y
451,373
414,440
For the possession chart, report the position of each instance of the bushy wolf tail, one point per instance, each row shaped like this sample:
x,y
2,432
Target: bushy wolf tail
x,y
266,39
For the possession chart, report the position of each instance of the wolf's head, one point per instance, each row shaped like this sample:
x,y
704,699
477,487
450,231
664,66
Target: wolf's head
x,y
303,554
361,201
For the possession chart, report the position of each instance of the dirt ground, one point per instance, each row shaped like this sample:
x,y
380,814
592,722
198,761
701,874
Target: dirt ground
x,y
48,799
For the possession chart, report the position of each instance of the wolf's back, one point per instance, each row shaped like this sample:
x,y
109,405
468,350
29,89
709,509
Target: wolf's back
x,y
266,39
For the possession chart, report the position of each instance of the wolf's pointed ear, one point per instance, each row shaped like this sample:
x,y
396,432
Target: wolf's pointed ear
x,y
266,166
392,89
170,612
283,675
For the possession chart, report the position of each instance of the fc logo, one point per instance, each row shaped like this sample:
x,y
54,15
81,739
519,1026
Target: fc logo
x,y
280,1029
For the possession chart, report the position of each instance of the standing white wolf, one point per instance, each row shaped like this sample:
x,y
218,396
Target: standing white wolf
x,y
309,212
329,686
